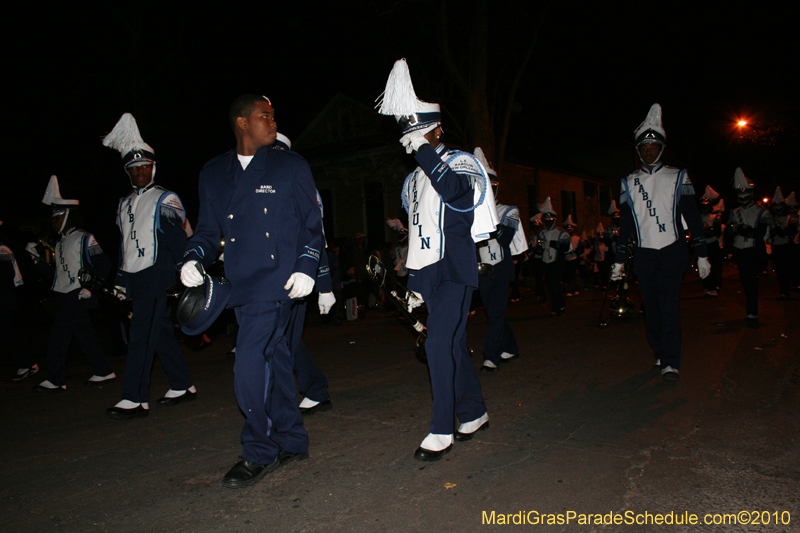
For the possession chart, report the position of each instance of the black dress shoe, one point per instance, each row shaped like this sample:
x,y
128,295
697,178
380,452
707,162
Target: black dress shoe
x,y
244,473
320,407
287,457
185,397
118,413
427,455
461,437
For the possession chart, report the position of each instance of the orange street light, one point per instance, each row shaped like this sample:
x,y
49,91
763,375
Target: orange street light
x,y
741,123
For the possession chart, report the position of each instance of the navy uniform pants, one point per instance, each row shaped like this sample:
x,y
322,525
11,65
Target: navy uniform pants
x,y
311,382
749,261
553,273
454,383
499,337
264,382
152,331
72,318
660,275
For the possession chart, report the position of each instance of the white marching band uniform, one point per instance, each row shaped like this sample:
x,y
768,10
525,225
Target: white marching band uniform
x,y
426,209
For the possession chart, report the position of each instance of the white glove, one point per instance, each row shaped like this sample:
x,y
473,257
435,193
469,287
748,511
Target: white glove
x,y
84,294
31,249
120,293
326,301
617,272
299,285
703,267
413,141
414,300
190,276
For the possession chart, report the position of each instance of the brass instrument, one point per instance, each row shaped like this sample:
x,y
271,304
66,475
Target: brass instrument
x,y
620,306
111,294
378,271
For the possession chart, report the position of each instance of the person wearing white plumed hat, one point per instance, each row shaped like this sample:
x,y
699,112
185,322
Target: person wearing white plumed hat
x,y
748,224
499,344
311,382
610,237
599,258
74,250
450,207
711,209
654,201
554,243
780,235
535,264
573,257
151,221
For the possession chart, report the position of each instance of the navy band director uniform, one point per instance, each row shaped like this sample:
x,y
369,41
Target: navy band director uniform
x,y
272,225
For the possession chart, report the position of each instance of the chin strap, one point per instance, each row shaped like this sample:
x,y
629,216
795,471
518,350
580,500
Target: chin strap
x,y
64,222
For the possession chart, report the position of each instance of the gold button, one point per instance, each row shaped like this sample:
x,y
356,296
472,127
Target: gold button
x,y
265,210
230,216
267,234
272,257
233,240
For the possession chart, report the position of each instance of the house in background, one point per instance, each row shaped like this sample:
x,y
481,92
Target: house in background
x,y
360,167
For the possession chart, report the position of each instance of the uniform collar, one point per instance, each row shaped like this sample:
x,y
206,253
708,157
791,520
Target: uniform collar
x,y
143,190
656,168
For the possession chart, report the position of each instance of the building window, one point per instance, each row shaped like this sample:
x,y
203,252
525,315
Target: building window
x,y
569,206
605,199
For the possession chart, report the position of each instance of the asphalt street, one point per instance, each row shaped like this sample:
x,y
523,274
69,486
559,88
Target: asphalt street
x,y
581,426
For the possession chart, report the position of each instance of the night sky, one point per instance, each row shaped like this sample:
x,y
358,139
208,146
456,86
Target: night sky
x,y
72,71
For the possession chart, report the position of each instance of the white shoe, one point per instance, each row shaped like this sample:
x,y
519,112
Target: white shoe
x,y
100,379
436,443
23,373
127,404
178,393
658,362
308,403
670,374
473,426
49,385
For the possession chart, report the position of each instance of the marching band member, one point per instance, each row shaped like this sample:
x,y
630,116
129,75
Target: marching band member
x,y
654,199
748,226
264,202
573,258
711,208
450,207
499,344
781,232
75,249
554,244
151,222
311,382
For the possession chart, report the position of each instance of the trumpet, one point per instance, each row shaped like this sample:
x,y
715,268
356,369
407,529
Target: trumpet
x,y
620,306
378,271
111,294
